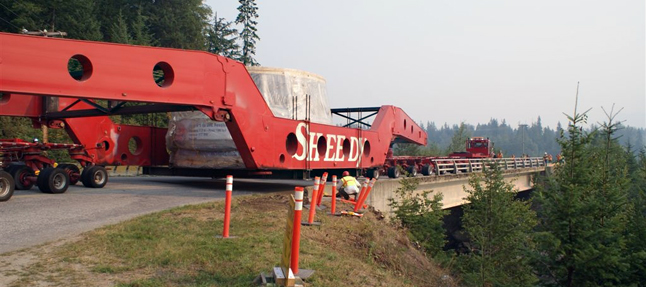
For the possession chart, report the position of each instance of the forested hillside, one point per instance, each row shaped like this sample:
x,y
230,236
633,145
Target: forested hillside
x,y
533,139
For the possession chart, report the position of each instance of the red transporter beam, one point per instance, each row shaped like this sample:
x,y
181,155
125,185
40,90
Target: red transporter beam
x,y
219,87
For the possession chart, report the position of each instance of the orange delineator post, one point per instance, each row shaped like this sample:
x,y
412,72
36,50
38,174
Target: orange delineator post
x,y
333,204
317,182
227,206
364,186
296,233
321,189
363,195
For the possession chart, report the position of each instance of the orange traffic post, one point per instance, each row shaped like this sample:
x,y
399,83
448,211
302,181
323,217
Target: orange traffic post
x,y
296,233
321,189
364,186
315,191
364,194
333,204
227,206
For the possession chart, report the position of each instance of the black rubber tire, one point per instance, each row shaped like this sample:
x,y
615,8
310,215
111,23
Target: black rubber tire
x,y
12,167
412,171
393,172
427,169
7,186
53,180
18,172
94,176
73,172
373,173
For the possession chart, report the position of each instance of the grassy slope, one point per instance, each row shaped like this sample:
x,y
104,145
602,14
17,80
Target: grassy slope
x,y
178,248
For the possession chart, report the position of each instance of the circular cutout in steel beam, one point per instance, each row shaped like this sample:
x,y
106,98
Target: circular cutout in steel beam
x,y
163,74
346,147
134,145
321,146
366,148
291,144
79,67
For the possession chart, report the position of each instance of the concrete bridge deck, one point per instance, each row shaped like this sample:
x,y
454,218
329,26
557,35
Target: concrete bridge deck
x,y
451,187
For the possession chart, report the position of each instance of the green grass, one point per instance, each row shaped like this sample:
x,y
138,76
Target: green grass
x,y
178,247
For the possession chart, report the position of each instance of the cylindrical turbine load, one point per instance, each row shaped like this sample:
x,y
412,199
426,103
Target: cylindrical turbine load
x,y
195,141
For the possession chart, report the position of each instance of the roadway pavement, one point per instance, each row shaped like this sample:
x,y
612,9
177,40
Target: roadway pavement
x,y
30,217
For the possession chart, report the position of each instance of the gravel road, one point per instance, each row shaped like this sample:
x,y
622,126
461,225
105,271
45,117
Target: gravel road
x,y
30,217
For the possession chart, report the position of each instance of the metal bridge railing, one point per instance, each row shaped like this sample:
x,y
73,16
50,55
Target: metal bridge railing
x,y
457,166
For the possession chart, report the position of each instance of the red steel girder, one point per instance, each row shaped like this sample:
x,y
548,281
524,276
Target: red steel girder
x,y
32,68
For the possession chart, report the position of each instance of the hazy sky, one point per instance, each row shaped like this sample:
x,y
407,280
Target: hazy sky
x,y
473,60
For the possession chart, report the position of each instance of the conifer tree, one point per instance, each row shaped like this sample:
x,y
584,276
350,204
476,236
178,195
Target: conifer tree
x,y
499,229
248,12
420,214
582,210
119,31
459,139
140,33
221,39
635,252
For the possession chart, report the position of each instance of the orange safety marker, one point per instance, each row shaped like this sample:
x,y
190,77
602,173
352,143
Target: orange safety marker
x,y
296,235
363,195
333,204
351,213
321,189
227,206
315,193
364,186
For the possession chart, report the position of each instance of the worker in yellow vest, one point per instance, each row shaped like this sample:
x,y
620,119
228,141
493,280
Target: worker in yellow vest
x,y
348,185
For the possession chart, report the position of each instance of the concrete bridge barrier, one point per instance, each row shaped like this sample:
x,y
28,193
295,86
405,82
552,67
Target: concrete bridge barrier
x,y
451,187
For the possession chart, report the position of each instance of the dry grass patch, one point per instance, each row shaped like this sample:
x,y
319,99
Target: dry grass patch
x,y
178,247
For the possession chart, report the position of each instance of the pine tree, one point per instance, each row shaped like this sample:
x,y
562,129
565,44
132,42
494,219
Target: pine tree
x,y
76,17
248,12
221,39
140,33
635,233
178,24
499,229
421,215
119,31
460,137
582,210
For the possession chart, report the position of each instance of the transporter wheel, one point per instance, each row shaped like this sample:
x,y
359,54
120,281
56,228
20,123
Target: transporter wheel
x,y
6,186
393,172
427,169
94,176
373,173
412,171
53,180
73,172
20,174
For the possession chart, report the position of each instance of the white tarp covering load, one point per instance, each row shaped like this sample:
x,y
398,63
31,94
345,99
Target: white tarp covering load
x,y
196,141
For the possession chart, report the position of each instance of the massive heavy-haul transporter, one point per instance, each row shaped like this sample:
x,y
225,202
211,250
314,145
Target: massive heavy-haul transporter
x,y
36,82
76,85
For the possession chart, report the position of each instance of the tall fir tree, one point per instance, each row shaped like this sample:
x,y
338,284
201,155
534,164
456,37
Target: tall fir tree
x,y
499,229
458,142
119,31
221,39
247,13
76,17
582,210
140,32
635,232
